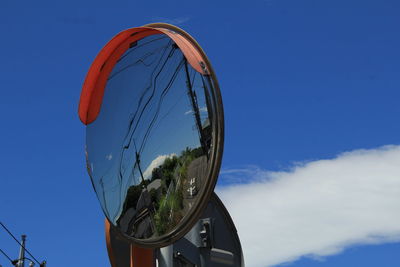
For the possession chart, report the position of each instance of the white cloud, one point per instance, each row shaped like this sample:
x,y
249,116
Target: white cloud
x,y
158,161
202,109
173,21
317,208
109,156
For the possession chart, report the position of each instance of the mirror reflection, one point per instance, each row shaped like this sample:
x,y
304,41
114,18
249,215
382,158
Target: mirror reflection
x,y
148,151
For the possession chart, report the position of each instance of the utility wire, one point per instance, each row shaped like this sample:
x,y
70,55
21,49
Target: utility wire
x,y
6,255
131,131
16,240
163,94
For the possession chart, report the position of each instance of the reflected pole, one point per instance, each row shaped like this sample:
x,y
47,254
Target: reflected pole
x,y
195,107
138,162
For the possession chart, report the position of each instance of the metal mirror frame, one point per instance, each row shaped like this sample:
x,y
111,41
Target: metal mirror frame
x,y
86,109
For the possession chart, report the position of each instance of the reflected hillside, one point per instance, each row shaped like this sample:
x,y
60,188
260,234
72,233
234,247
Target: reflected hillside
x,y
156,205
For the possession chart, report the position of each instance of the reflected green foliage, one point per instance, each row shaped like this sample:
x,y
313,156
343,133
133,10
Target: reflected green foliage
x,y
168,213
167,201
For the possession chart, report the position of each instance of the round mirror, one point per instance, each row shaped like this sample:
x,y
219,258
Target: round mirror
x,y
154,140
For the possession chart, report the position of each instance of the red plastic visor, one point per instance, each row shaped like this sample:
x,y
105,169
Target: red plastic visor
x,y
96,78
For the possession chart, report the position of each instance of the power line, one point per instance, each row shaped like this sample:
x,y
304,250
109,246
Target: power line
x,y
162,96
6,255
16,240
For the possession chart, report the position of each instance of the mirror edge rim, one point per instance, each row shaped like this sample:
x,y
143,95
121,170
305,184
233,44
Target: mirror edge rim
x,y
213,173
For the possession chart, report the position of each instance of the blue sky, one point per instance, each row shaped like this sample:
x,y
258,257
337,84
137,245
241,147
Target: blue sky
x,y
301,81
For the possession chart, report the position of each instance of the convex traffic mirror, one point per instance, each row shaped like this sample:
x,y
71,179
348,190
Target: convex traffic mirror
x,y
154,132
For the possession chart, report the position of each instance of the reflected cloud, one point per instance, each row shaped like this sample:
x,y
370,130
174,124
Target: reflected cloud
x,y
202,109
157,162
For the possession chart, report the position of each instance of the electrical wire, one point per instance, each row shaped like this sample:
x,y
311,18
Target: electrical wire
x,y
6,255
140,45
130,130
16,240
163,93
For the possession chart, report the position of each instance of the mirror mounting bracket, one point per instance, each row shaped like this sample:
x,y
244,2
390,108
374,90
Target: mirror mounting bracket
x,y
206,234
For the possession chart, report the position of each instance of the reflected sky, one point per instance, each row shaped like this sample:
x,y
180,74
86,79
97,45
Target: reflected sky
x,y
150,113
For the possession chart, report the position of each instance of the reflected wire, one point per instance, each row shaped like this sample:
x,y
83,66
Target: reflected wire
x,y
140,60
141,45
131,131
163,94
165,115
154,88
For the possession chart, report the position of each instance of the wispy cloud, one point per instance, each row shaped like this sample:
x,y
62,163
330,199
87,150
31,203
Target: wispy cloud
x,y
202,109
317,208
174,21
158,161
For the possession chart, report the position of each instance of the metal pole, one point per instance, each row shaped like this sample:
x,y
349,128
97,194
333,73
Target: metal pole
x,y
21,259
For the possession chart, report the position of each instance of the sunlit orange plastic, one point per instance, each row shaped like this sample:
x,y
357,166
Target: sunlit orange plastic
x,y
142,257
139,257
96,78
110,250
